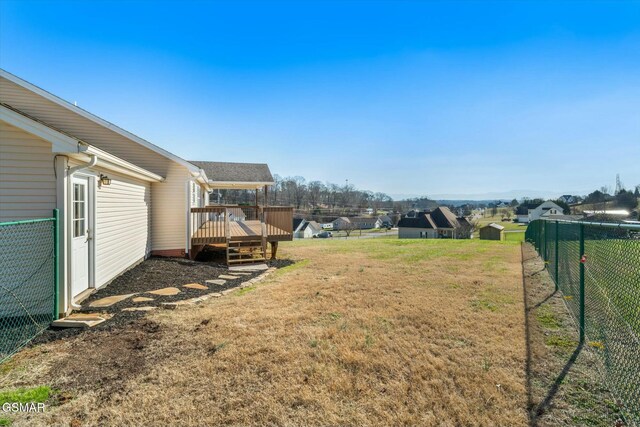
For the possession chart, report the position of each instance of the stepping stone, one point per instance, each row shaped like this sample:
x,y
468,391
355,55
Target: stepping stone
x,y
253,267
196,286
239,273
80,320
228,277
166,291
219,282
109,301
141,299
144,308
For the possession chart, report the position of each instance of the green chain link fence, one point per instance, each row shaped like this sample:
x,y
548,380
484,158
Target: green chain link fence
x,y
597,268
28,280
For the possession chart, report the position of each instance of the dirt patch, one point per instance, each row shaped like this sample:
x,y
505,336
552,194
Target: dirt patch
x,y
564,385
152,274
110,359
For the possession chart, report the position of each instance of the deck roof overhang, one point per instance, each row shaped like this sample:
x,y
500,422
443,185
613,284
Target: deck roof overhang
x,y
237,185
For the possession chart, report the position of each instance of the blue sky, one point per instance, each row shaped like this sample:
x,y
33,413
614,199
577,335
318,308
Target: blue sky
x,y
434,98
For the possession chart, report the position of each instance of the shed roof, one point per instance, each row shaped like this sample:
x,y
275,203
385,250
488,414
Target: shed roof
x,y
236,175
494,225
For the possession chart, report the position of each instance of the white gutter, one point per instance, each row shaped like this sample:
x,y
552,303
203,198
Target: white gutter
x,y
116,164
93,159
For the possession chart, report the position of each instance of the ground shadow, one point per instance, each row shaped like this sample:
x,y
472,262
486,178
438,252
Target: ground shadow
x,y
536,410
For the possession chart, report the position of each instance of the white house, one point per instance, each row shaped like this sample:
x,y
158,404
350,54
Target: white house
x,y
120,198
528,212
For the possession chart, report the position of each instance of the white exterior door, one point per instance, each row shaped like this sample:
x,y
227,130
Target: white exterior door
x,y
80,235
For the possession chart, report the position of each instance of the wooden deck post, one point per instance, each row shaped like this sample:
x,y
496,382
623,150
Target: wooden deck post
x,y
274,249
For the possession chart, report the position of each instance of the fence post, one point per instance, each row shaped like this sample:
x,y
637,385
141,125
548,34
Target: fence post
x,y
581,283
545,258
56,257
556,253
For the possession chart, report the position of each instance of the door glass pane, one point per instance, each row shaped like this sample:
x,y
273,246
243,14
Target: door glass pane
x,y
78,228
78,210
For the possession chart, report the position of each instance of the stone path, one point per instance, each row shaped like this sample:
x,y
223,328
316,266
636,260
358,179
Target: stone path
x,y
196,286
216,282
141,299
166,291
109,301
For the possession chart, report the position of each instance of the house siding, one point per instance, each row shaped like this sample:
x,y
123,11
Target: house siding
x,y
414,233
27,180
123,226
169,214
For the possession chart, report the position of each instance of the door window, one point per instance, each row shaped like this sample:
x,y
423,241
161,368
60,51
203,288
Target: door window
x,y
79,211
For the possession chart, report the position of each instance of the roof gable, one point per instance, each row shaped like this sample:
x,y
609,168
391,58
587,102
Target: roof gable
x,y
87,127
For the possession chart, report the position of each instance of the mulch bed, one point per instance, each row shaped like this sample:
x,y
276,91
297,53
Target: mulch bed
x,y
152,274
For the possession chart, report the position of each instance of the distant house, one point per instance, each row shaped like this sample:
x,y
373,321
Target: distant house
x,y
527,212
307,229
341,223
439,223
567,198
491,231
354,223
384,221
363,223
297,223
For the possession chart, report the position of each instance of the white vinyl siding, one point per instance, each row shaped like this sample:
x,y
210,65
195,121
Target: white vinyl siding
x,y
27,180
123,226
169,215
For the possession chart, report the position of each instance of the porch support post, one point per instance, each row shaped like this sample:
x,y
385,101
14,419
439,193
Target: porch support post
x,y
256,197
274,249
266,199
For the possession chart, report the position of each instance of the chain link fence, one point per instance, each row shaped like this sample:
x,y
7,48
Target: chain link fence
x,y
28,281
597,268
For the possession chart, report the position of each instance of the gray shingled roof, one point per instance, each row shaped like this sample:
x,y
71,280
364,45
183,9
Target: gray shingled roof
x,y
235,172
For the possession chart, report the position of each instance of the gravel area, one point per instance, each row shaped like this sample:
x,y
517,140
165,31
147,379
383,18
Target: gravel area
x,y
150,275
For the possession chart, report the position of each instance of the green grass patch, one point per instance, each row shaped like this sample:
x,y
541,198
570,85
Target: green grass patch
x,y
290,268
560,342
547,319
26,395
246,290
4,421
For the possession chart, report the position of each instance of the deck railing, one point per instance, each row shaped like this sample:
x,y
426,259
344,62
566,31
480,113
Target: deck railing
x,y
278,219
208,224
211,224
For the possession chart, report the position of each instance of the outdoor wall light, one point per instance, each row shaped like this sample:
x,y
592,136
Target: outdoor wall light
x,y
104,180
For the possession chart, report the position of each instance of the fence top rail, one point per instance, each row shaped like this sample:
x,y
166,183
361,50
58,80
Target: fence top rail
x,y
621,225
26,221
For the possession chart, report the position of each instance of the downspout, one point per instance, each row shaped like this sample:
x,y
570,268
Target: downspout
x,y
92,162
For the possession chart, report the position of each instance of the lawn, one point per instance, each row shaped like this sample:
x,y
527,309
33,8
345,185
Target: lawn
x,y
356,332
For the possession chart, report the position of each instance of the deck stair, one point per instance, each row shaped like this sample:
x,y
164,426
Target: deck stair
x,y
246,251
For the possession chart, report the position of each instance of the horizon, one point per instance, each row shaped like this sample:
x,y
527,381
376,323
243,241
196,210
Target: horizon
x,y
423,107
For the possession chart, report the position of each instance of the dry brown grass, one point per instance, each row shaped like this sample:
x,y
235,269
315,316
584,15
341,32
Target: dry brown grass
x,y
362,332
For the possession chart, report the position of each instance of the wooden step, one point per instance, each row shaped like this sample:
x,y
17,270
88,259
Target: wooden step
x,y
246,260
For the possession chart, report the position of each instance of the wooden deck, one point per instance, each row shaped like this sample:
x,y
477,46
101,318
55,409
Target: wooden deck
x,y
243,230
213,232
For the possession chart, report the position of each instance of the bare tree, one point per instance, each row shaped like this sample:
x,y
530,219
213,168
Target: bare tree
x,y
314,190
